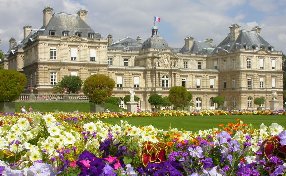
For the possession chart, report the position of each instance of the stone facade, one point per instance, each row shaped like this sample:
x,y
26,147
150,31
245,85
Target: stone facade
x,y
237,69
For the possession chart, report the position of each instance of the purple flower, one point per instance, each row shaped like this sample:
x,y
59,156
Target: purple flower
x,y
275,160
282,137
234,145
196,151
247,170
208,163
223,137
2,168
108,170
278,171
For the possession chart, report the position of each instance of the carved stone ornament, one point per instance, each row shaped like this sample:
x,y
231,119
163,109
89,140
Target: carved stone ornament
x,y
74,38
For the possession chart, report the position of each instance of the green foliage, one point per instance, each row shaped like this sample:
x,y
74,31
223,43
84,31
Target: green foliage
x,y
259,101
180,97
166,102
71,84
219,100
155,100
127,98
113,100
98,88
12,84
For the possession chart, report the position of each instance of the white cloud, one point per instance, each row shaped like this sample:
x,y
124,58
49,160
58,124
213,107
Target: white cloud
x,y
200,19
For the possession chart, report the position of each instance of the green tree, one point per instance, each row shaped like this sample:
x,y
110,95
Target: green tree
x,y
155,100
71,84
259,101
98,88
219,100
113,100
12,84
127,98
166,102
1,59
180,97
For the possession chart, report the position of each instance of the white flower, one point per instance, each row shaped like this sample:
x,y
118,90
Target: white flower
x,y
23,124
54,130
91,127
275,129
250,159
3,143
49,119
70,139
34,154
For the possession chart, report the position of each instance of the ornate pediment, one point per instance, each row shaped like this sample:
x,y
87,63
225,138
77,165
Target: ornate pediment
x,y
167,61
262,52
73,38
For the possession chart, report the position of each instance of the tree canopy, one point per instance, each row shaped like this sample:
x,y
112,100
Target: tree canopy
x,y
98,88
219,100
259,101
71,84
127,98
12,84
156,100
180,97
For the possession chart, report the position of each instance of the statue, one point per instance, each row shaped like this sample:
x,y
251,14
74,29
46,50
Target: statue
x,y
132,93
274,95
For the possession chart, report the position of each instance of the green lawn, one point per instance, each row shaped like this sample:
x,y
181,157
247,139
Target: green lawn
x,y
194,123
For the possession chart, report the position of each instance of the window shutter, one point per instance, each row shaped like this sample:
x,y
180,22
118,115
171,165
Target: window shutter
x,y
119,80
261,62
198,82
74,74
273,63
212,82
136,80
92,52
273,82
73,52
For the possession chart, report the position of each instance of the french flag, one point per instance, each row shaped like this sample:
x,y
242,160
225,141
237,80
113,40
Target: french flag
x,y
157,19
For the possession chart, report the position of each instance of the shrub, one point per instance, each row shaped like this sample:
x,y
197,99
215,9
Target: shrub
x,y
113,100
219,100
155,100
180,97
259,101
72,84
127,98
12,84
98,88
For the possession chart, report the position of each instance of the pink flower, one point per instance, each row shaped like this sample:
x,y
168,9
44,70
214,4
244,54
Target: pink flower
x,y
110,159
85,163
114,161
73,164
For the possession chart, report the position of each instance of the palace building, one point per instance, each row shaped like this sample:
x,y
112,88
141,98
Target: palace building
x,y
241,68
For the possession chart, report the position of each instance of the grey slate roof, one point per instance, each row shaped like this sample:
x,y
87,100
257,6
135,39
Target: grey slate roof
x,y
248,40
66,22
126,44
204,48
155,42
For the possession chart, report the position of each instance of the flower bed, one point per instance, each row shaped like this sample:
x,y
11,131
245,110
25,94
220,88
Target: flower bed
x,y
63,144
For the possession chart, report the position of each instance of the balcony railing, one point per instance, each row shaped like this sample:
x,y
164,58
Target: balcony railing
x,y
52,97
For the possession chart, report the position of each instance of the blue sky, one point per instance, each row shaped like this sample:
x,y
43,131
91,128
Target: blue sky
x,y
200,19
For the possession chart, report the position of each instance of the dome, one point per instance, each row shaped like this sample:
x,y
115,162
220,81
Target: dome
x,y
155,42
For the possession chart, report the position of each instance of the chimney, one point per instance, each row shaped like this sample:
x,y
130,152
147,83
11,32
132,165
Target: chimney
x,y
234,31
47,15
257,29
27,31
82,14
109,40
189,41
138,39
12,43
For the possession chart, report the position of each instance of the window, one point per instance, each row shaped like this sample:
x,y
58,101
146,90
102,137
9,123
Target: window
x,y
92,54
224,84
65,33
249,83
125,62
90,35
233,84
184,80
248,63
261,82
136,81
165,81
53,53
119,82
198,83
234,102
199,65
73,54
233,63
261,63
212,83
273,64
212,104
249,102
215,64
185,64
52,32
53,78
110,61
74,73
78,34
198,103
273,80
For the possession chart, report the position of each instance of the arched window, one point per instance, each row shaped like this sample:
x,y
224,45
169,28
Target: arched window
x,y
212,104
234,102
198,103
248,63
165,81
249,102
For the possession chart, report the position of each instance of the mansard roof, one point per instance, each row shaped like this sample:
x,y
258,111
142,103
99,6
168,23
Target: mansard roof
x,y
155,42
248,40
127,43
71,23
199,47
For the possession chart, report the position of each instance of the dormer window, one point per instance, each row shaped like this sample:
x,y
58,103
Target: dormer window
x,y
52,32
91,35
65,33
78,34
